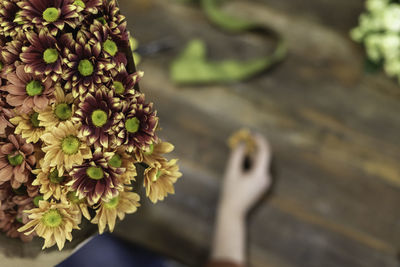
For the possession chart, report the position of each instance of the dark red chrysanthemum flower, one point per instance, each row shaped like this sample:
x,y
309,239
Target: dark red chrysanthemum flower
x,y
113,45
11,23
16,161
139,124
99,114
42,56
95,179
110,16
50,14
86,68
10,56
27,91
89,7
123,83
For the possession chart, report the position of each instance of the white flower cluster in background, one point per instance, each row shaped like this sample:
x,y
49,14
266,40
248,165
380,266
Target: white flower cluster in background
x,y
379,31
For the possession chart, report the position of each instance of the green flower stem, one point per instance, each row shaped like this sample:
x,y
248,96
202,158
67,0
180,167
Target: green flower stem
x,y
192,66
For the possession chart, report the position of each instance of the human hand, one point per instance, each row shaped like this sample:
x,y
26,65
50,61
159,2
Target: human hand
x,y
242,188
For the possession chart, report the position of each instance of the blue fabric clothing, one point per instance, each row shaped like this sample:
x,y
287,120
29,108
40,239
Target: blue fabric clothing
x,y
109,251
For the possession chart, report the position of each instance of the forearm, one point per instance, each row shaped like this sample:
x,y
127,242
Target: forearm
x,y
229,236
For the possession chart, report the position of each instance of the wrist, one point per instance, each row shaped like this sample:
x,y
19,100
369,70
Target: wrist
x,y
227,209
229,238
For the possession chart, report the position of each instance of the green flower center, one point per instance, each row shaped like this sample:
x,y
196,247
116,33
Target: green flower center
x,y
54,178
79,3
36,200
85,67
95,173
51,14
70,145
115,161
50,55
119,87
34,88
63,111
99,118
15,160
159,173
52,218
34,120
102,20
73,197
113,203
150,151
110,47
132,125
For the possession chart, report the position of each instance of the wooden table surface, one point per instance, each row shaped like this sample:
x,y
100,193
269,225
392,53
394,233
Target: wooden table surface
x,y
334,131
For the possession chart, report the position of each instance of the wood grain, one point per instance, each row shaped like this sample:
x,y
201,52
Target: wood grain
x,y
334,132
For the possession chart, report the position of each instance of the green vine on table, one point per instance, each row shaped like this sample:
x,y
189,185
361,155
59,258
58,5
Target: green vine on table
x,y
193,67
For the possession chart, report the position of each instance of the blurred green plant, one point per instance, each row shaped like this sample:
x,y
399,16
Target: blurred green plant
x,y
192,66
379,32
134,46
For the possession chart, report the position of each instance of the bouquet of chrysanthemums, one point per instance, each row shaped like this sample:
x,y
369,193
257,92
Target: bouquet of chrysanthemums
x,y
379,31
73,124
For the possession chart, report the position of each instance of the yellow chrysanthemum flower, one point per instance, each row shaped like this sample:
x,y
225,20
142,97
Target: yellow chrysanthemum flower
x,y
63,148
154,154
243,136
52,221
51,184
61,110
159,179
28,125
124,203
